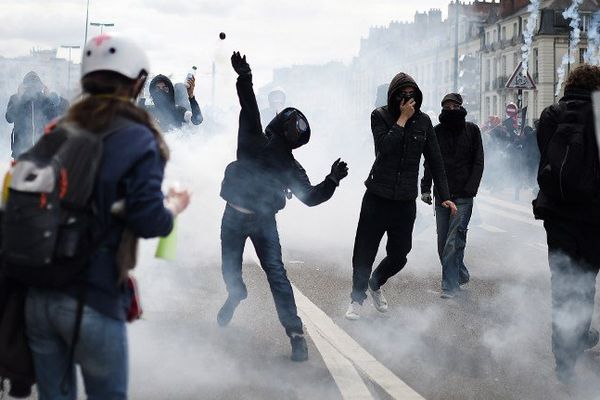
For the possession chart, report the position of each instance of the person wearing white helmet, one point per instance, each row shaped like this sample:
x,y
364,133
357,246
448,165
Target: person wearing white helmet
x,y
277,100
130,173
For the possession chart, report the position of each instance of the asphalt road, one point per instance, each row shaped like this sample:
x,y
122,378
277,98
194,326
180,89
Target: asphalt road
x,y
491,342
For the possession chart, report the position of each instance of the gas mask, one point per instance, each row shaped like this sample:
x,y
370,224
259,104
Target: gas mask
x,y
296,128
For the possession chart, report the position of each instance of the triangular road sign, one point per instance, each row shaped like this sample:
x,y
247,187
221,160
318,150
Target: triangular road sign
x,y
518,80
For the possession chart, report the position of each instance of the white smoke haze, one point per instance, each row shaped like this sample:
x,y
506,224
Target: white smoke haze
x,y
571,13
592,53
529,32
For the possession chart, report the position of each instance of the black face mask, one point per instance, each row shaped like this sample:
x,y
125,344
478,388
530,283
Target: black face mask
x,y
453,119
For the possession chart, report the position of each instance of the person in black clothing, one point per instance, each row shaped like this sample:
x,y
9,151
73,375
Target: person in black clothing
x,y
165,111
569,204
255,188
402,133
462,151
31,109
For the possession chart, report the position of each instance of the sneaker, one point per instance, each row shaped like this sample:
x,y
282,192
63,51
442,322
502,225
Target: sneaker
x,y
446,294
379,300
226,312
299,348
592,338
353,311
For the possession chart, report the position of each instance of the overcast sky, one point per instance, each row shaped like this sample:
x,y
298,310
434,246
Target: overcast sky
x,y
182,33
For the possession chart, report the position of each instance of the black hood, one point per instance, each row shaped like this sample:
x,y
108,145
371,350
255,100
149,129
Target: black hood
x,y
154,91
399,82
278,126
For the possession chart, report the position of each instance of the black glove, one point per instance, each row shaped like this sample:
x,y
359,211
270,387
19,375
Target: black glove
x,y
239,64
339,170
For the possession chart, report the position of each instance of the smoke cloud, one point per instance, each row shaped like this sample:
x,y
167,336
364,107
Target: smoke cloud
x,y
592,53
534,12
571,13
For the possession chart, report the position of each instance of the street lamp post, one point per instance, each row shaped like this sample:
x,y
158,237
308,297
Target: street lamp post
x,y
87,21
69,64
101,25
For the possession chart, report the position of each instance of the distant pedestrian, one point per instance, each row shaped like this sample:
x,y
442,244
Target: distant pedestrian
x,y
30,110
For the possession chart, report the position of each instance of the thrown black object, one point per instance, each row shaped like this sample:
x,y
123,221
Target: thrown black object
x,y
222,35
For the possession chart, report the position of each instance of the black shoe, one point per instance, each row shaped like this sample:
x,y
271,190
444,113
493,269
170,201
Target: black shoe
x,y
592,338
464,282
299,348
226,312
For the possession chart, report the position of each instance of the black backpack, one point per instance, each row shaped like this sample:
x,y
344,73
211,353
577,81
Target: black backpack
x,y
46,235
569,170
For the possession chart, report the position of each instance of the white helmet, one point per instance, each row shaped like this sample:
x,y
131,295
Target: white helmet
x,y
110,52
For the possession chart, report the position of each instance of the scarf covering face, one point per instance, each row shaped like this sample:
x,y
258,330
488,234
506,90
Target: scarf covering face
x,y
453,119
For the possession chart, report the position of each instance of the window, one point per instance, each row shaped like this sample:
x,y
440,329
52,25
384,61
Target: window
x,y
515,60
488,71
503,65
495,107
487,106
503,33
495,35
487,38
584,24
582,56
515,30
535,62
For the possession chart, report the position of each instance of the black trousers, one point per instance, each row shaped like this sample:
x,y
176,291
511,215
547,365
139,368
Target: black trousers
x,y
574,258
236,228
379,216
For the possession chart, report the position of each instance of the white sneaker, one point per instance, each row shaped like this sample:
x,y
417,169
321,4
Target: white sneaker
x,y
353,311
379,300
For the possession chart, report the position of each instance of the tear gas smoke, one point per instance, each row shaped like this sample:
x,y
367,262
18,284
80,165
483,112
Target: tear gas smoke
x,y
592,53
529,32
571,13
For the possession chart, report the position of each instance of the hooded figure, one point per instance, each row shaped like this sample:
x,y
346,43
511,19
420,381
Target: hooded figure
x,y
30,110
165,111
402,134
255,187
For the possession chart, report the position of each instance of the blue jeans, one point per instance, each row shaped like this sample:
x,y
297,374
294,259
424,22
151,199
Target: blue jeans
x,y
236,228
452,239
101,351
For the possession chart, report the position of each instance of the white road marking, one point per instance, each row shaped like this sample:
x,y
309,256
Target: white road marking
x,y
330,338
347,379
349,348
505,204
490,228
510,215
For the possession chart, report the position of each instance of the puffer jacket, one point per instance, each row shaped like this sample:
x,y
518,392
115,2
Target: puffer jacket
x,y
398,150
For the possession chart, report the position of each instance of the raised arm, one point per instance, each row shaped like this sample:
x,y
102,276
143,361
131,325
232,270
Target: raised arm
x,y
250,126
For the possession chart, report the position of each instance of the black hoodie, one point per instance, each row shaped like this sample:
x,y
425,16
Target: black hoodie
x,y
265,170
398,150
166,113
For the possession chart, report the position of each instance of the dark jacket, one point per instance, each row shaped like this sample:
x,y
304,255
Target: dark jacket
x,y
265,170
132,169
462,151
165,111
544,206
30,112
398,150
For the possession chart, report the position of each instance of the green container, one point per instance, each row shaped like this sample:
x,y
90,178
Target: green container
x,y
167,246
